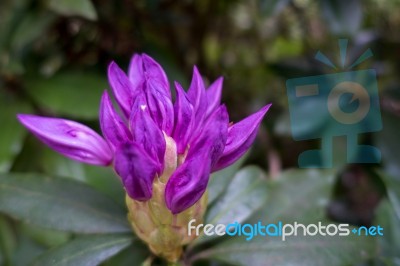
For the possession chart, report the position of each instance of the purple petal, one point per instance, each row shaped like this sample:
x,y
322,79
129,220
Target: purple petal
x,y
240,137
161,109
113,128
155,75
213,136
69,138
135,71
122,87
139,103
147,134
145,70
214,95
136,169
184,119
188,183
197,96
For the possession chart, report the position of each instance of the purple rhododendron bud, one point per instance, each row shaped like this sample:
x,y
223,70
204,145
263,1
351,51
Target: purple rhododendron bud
x,y
163,151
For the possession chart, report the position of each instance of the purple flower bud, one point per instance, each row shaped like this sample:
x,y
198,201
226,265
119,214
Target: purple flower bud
x,y
69,138
167,153
196,129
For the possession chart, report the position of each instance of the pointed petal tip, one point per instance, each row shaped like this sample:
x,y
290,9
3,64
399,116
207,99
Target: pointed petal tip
x,y
266,107
196,72
240,138
111,66
114,129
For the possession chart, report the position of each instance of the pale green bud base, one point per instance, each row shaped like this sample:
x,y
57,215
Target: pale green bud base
x,y
164,232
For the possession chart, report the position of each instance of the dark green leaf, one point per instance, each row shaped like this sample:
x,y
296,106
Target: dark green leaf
x,y
26,251
8,241
12,132
73,93
392,186
30,28
220,180
300,250
87,250
135,254
60,204
103,179
245,194
52,163
389,244
387,142
10,10
45,237
297,195
82,8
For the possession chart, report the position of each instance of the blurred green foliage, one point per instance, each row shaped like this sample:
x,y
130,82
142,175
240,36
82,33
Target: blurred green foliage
x,y
53,60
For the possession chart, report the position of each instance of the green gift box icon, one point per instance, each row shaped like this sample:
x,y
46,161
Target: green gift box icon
x,y
338,104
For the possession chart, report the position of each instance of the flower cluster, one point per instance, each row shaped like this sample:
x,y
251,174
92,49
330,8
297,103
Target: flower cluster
x,y
153,137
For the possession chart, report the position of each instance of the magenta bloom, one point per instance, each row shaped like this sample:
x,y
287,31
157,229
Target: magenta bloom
x,y
135,143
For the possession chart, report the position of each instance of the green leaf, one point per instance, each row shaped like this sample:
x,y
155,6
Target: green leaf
x,y
245,194
8,241
388,144
87,250
60,204
135,254
12,132
45,237
389,244
10,12
296,195
298,250
343,17
70,93
82,8
52,163
31,27
220,180
392,186
26,251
